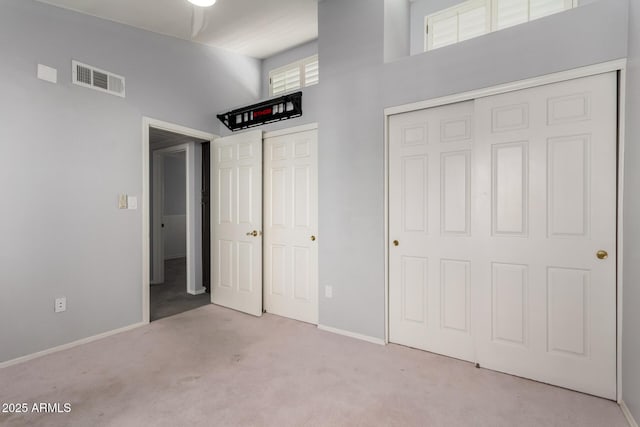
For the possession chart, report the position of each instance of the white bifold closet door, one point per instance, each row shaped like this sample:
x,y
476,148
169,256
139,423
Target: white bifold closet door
x,y
509,241
291,224
236,222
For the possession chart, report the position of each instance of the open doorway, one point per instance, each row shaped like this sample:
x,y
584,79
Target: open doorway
x,y
176,222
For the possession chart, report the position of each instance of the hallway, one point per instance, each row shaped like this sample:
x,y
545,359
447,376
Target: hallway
x,y
170,298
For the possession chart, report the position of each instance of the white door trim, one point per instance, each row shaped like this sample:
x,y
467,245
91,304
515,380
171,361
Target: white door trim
x,y
191,194
627,414
289,131
605,67
146,232
576,73
622,85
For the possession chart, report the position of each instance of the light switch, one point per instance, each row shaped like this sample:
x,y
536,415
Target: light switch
x,y
122,201
132,202
47,73
328,291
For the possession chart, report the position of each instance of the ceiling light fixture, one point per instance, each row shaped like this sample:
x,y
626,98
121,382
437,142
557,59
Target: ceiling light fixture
x,y
203,3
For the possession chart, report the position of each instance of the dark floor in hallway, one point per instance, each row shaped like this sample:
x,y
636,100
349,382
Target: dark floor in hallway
x,y
171,297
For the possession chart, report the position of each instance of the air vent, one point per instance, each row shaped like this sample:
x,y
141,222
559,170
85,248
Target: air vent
x,y
94,78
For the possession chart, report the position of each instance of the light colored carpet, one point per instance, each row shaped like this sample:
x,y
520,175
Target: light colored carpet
x,y
216,367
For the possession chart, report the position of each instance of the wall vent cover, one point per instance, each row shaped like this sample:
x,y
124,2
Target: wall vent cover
x,y
95,78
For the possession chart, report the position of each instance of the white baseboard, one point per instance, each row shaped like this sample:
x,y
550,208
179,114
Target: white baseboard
x,y
627,414
357,336
199,291
87,340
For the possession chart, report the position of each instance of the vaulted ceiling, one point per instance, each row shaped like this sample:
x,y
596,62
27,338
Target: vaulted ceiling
x,y
257,28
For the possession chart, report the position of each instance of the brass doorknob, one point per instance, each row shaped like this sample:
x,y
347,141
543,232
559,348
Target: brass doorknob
x,y
602,254
313,238
396,243
253,233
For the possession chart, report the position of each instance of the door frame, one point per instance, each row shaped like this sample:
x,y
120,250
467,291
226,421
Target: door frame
x,y
618,66
205,211
158,247
148,122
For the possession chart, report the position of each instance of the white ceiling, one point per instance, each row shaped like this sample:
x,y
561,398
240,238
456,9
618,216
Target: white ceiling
x,y
257,28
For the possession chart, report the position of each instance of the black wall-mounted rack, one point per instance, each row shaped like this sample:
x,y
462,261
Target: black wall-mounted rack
x,y
273,110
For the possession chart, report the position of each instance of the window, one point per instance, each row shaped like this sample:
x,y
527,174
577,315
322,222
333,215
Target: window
x,y
477,17
294,76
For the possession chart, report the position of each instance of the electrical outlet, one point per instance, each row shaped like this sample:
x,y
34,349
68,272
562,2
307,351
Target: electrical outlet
x,y
61,304
328,291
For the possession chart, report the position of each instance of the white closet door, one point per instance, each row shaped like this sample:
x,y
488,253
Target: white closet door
x,y
291,224
545,174
431,267
236,219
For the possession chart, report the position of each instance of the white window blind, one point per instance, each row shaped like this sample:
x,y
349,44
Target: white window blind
x,y
541,8
311,71
294,76
474,21
511,12
474,18
285,80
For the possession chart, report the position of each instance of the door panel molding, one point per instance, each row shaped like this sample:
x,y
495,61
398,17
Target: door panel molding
x,y
291,224
570,113
236,222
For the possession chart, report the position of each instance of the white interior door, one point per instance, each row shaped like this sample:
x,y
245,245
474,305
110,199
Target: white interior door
x,y
545,171
502,227
236,220
291,223
430,258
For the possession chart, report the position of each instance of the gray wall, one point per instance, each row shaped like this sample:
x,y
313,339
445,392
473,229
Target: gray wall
x,y
631,273
66,152
175,184
357,85
396,29
350,165
175,207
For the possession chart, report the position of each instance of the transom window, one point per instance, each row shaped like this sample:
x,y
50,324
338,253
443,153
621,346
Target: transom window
x,y
474,18
294,76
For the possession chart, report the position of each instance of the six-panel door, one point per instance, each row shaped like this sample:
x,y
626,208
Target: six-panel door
x,y
236,244
291,226
545,175
430,161
502,209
